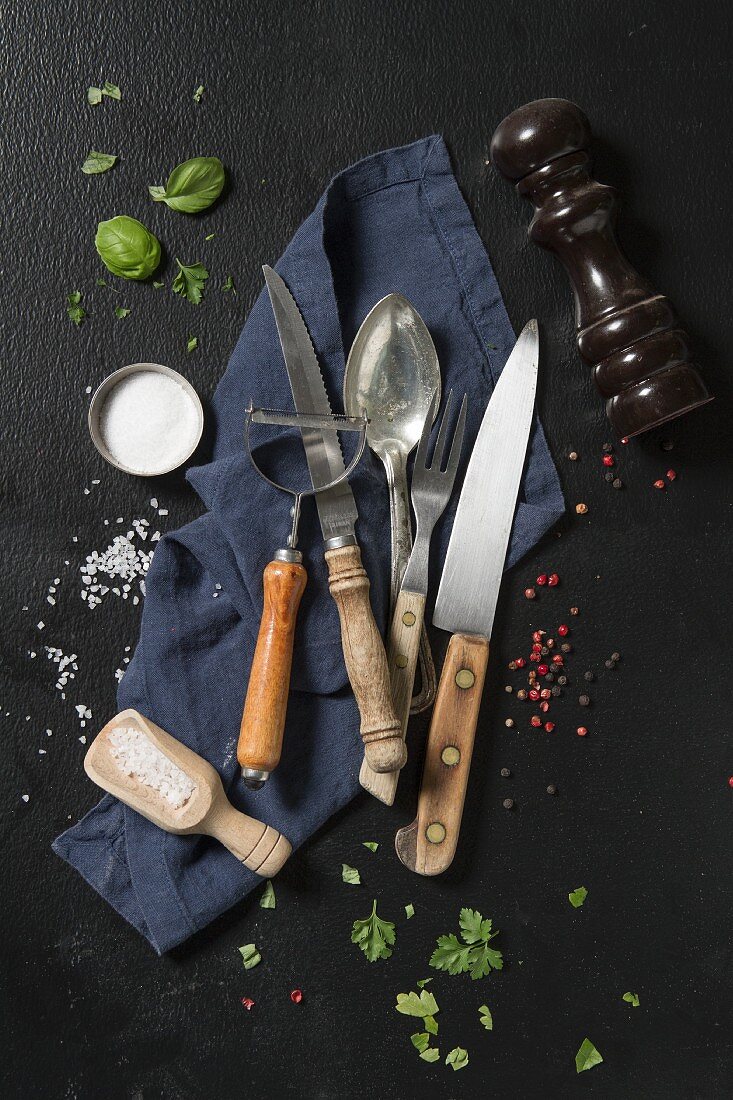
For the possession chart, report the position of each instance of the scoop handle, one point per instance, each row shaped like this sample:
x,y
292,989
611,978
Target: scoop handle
x,y
265,707
256,845
366,661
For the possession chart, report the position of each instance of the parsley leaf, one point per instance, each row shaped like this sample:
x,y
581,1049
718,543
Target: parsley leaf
x,y
268,900
474,955
350,875
229,284
371,845
430,1024
198,93
76,312
577,897
458,1058
420,1040
97,163
409,910
158,286
192,343
250,956
485,1018
121,312
432,1054
189,282
417,1004
587,1056
373,936
94,95
423,982
632,999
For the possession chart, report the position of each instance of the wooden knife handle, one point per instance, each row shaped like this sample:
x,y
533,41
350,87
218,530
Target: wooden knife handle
x,y
366,661
428,845
402,654
256,845
263,720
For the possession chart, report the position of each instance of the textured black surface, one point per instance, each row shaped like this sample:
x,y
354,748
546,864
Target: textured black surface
x,y
294,92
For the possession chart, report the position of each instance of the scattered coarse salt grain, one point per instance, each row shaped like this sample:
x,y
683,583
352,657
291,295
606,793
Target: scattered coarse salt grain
x,y
25,797
149,423
137,756
83,739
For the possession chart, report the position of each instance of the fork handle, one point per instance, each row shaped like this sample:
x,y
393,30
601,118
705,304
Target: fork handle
x,y
402,654
366,661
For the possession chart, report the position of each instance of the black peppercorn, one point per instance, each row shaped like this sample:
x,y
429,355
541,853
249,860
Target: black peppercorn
x,y
617,483
505,773
556,691
521,694
606,448
562,680
509,688
584,700
566,647
549,678
610,664
666,444
615,656
544,651
589,676
552,789
508,803
609,476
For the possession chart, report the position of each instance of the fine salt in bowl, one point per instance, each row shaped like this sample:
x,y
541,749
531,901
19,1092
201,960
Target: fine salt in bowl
x,y
146,419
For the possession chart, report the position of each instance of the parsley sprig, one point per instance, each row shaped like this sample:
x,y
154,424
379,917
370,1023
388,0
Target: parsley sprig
x,y
374,936
189,282
473,956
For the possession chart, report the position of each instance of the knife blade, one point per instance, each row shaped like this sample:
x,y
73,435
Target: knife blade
x,y
466,605
363,649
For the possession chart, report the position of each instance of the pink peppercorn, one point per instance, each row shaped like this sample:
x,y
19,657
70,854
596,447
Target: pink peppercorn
x,y
553,580
537,635
296,996
549,726
558,659
545,693
529,593
563,630
581,731
542,670
671,475
659,484
534,695
609,460
536,647
535,720
248,1003
520,662
544,707
542,579
730,781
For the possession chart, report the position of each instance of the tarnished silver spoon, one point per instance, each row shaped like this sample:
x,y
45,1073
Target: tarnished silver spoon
x,y
392,373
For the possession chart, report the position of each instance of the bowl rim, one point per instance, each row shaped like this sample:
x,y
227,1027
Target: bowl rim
x,y
104,389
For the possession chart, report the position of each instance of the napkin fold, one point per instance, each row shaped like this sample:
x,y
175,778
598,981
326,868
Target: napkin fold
x,y
393,222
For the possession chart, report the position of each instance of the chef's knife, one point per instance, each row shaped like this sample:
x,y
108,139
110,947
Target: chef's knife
x,y
366,661
466,603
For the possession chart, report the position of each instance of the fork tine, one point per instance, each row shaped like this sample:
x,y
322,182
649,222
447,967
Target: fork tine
x,y
422,450
455,451
437,461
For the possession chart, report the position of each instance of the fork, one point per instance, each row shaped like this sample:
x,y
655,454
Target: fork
x,y
431,490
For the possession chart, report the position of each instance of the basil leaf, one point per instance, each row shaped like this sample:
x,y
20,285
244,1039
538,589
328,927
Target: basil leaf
x,y
97,162
127,248
587,1056
192,186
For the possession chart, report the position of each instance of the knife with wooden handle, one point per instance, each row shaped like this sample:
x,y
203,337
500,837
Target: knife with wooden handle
x,y
466,604
364,655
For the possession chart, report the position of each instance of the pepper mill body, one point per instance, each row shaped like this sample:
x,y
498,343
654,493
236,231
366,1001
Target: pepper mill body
x,y
627,332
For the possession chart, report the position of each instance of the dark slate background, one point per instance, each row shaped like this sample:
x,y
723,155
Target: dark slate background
x,y
294,92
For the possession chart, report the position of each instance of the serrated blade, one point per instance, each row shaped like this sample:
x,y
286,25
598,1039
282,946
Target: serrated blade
x,y
336,507
474,562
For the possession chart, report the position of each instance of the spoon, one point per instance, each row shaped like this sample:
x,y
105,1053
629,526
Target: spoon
x,y
392,374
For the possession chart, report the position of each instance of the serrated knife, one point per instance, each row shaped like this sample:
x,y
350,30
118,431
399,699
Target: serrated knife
x,y
466,604
364,654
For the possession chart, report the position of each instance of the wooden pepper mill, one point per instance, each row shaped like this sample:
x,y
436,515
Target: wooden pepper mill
x,y
628,333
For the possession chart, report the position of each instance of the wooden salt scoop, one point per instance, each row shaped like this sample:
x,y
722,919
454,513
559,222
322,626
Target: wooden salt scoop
x,y
207,810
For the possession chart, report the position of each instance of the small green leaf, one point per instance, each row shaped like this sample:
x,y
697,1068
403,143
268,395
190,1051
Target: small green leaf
x,y
587,1056
350,875
121,312
97,163
450,955
485,1018
198,93
632,999
577,897
94,96
432,1054
158,286
192,343
189,282
268,900
210,237
409,910
370,844
111,90
417,1004
127,248
103,282
75,311
250,956
430,1024
375,937
420,1040
423,982
192,186
229,284
458,1058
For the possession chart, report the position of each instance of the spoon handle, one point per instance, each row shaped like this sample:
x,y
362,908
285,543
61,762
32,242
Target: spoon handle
x,y
366,661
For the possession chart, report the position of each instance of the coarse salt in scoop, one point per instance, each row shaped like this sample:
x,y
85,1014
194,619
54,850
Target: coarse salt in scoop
x,y
145,419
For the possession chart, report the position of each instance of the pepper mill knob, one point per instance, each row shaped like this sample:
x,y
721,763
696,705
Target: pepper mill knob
x,y
627,332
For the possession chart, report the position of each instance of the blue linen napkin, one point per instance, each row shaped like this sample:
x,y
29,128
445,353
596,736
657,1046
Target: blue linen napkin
x,y
395,221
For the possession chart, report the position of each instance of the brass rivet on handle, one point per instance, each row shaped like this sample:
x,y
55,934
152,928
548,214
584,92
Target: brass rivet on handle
x,y
450,755
408,618
465,678
435,832
400,660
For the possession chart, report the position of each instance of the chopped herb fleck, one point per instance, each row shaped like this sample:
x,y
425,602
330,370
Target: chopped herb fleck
x,y
485,1018
587,1056
577,897
158,286
375,937
474,955
210,236
432,1054
423,982
458,1058
76,312
632,999
350,875
371,845
198,93
417,1004
192,343
121,312
94,95
420,1040
409,910
250,956
229,285
98,162
268,900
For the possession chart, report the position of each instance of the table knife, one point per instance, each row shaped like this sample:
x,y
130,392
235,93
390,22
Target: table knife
x,y
465,606
364,654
